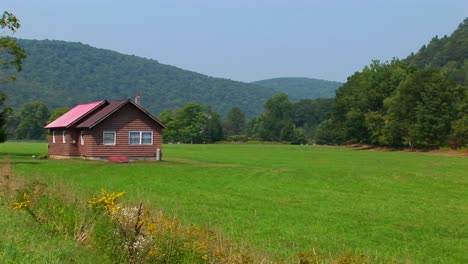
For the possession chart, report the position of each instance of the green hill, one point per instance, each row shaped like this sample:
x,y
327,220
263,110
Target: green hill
x,y
449,53
302,88
419,102
62,74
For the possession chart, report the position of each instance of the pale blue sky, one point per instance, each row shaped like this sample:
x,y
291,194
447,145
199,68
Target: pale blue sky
x,y
247,40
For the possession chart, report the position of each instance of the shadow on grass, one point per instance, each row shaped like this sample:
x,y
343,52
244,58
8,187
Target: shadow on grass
x,y
6,154
26,162
34,162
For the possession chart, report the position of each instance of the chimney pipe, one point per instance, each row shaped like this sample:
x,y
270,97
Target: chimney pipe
x,y
137,99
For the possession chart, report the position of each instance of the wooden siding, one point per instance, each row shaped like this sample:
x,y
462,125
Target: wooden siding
x,y
63,149
126,119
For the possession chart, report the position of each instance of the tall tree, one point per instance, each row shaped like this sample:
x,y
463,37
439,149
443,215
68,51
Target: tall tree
x,y
459,136
234,124
170,133
11,54
213,129
33,118
194,123
277,119
422,110
4,113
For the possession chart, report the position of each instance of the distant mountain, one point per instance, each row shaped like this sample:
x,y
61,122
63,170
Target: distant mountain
x,y
302,88
63,74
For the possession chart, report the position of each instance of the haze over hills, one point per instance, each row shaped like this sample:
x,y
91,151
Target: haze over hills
x,y
63,74
301,88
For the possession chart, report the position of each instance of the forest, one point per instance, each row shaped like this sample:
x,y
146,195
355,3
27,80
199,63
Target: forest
x,y
64,74
419,102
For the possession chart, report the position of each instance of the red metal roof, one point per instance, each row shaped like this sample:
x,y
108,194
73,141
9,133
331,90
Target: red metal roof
x,y
74,115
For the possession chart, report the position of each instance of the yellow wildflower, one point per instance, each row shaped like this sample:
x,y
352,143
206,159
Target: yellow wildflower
x,y
24,203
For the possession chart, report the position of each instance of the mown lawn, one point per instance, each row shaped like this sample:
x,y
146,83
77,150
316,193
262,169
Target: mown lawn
x,y
283,200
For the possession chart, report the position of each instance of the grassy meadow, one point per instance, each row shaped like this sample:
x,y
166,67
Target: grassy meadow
x,y
281,200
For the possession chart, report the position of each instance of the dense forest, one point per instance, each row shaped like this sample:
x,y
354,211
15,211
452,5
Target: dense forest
x,y
63,74
418,102
301,88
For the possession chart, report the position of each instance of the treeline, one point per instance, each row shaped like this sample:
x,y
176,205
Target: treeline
x,y
419,102
28,122
397,104
282,120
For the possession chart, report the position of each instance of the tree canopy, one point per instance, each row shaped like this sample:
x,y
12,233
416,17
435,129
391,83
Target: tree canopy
x,y
11,55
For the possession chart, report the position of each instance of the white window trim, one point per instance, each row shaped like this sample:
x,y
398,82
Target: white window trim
x,y
82,137
115,138
64,136
140,137
53,136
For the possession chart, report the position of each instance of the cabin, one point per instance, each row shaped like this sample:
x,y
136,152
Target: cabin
x,y
115,131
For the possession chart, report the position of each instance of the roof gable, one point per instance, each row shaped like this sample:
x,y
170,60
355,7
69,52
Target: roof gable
x,y
109,109
75,114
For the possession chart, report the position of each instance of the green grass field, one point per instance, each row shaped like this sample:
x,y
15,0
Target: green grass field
x,y
282,200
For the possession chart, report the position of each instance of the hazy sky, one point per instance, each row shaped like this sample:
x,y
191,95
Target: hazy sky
x,y
247,40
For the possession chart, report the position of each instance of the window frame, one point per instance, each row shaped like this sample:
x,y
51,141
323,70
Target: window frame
x,y
64,136
53,137
140,137
115,137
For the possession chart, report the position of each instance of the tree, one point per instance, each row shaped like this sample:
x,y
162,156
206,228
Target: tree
x,y
308,114
56,113
459,136
194,123
277,119
11,55
3,119
420,113
234,124
213,129
167,118
33,118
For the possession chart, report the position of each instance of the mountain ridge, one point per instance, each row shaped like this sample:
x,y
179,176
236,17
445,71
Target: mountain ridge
x,y
63,74
301,87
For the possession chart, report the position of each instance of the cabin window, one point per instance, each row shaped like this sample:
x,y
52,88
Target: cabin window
x,y
108,137
64,136
140,138
53,136
82,137
147,137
